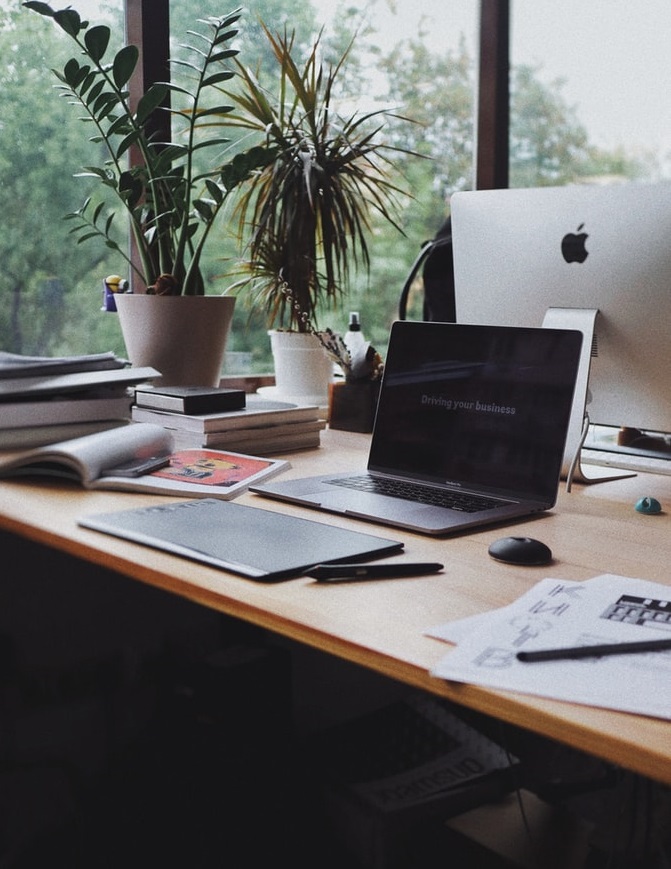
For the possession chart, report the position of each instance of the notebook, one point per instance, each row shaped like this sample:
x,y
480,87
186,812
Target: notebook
x,y
260,544
469,431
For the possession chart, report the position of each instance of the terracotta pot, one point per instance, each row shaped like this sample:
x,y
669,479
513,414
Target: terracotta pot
x,y
183,337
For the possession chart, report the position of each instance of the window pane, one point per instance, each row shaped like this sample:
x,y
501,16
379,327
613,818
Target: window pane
x,y
419,59
590,91
50,286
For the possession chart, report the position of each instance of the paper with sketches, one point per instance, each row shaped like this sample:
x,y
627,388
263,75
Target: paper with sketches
x,y
557,613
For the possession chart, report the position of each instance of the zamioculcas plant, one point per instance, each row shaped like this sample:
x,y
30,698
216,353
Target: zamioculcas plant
x,y
171,203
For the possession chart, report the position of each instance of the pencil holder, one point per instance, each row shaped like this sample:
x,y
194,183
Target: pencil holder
x,y
352,406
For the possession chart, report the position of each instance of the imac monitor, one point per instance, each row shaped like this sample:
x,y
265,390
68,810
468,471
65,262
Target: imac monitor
x,y
518,252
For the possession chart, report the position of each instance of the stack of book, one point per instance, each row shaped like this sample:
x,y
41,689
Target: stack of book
x,y
258,425
44,400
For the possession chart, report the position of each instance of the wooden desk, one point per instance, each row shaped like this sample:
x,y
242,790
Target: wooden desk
x,y
379,625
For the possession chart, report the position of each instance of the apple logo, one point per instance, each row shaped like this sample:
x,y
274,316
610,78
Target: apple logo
x,y
573,246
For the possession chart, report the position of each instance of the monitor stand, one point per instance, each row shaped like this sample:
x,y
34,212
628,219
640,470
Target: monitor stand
x,y
583,320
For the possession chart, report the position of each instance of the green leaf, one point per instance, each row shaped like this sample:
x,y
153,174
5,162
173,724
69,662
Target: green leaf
x,y
69,20
218,77
92,171
86,84
174,151
219,142
42,8
228,20
204,209
104,105
215,110
180,90
214,190
120,126
127,142
96,40
124,64
151,100
226,53
94,93
87,236
226,36
71,73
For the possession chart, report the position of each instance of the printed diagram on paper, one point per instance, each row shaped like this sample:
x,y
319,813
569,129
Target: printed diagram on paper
x,y
557,613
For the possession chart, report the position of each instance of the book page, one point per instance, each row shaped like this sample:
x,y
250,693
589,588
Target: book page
x,y
87,456
207,473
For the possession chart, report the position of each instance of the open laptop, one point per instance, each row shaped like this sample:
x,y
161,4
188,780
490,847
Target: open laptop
x,y
469,431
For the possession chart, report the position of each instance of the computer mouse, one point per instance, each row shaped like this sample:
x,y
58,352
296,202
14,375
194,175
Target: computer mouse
x,y
520,550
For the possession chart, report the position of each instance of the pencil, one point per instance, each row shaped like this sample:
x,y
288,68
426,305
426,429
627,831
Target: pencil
x,y
594,651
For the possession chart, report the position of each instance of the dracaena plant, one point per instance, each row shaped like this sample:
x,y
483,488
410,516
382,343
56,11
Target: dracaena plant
x,y
306,215
172,205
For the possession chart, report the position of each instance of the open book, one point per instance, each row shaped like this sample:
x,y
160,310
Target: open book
x,y
139,457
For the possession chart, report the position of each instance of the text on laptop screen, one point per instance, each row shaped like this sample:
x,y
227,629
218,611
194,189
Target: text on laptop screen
x,y
490,408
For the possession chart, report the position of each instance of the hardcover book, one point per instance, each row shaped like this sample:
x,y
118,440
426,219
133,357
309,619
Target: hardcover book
x,y
140,458
52,410
285,436
191,399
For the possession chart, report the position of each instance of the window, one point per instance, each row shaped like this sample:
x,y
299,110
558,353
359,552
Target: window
x,y
421,57
589,86
51,287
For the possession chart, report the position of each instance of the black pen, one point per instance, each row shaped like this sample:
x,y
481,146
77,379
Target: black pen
x,y
352,572
598,651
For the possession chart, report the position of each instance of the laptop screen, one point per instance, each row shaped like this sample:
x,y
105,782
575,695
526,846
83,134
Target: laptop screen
x,y
477,406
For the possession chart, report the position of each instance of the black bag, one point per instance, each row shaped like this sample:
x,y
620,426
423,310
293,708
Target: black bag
x,y
436,258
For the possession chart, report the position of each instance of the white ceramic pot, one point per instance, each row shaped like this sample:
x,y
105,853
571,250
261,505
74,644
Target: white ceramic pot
x,y
183,337
303,371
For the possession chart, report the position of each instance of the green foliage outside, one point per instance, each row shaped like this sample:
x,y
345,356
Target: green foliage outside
x,y
51,288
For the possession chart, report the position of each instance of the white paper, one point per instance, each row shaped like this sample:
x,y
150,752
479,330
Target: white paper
x,y
556,613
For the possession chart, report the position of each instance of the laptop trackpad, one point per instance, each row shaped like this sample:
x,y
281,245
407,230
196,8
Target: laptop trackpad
x,y
370,505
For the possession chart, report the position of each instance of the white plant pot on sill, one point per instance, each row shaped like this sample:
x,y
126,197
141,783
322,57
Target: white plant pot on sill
x,y
303,371
183,337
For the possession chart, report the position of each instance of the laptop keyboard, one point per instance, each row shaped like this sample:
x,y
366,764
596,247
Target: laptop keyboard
x,y
463,501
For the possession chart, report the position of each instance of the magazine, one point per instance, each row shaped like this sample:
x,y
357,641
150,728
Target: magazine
x,y
140,457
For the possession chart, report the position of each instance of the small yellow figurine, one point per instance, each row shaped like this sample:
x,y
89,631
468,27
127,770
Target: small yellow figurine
x,y
111,285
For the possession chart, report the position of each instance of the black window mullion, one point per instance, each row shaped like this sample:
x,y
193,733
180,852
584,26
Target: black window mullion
x,y
493,105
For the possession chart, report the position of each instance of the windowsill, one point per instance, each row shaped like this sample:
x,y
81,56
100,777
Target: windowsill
x,y
249,382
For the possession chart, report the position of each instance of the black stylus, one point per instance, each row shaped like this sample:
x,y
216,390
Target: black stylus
x,y
346,572
595,651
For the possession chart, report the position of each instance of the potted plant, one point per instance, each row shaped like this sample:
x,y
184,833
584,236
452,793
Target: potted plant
x,y
171,203
307,212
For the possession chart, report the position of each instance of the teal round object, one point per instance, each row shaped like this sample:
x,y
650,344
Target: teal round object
x,y
649,506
